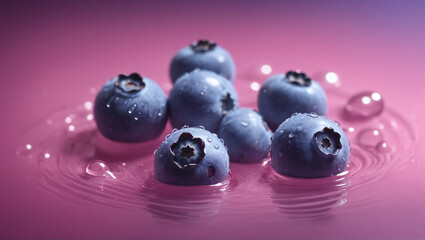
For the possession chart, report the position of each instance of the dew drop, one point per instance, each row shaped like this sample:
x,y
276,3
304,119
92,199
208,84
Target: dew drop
x,y
365,105
216,146
382,147
159,114
244,124
209,139
369,137
97,168
291,135
313,115
132,108
167,136
174,130
221,140
185,126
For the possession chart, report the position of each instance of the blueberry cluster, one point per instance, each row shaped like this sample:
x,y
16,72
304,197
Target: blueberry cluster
x,y
203,103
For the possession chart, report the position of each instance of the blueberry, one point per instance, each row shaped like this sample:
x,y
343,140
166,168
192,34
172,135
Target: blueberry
x,y
202,54
282,95
309,146
130,109
246,135
191,156
201,98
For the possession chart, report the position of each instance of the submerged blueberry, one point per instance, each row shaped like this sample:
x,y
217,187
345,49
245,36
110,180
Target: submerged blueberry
x,y
202,54
309,146
191,156
130,109
245,135
282,95
201,98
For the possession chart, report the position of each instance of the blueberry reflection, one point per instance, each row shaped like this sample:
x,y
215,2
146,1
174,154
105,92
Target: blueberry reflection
x,y
312,199
175,204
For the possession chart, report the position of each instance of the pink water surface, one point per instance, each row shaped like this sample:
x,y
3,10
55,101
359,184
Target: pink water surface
x,y
56,55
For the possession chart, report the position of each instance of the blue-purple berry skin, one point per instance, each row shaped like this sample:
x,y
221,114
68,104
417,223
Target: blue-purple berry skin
x,y
191,156
201,98
309,146
285,94
245,135
202,54
131,109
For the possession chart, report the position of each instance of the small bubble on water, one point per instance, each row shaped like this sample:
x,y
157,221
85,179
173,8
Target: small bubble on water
x,y
68,119
97,168
382,147
266,69
88,106
89,117
365,105
369,137
255,86
26,149
244,124
71,128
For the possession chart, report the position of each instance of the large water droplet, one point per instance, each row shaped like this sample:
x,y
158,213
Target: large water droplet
x,y
369,137
365,105
97,168
382,147
328,80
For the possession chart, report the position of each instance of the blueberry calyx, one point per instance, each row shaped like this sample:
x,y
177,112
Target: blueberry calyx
x,y
131,83
227,103
298,78
187,151
203,45
328,141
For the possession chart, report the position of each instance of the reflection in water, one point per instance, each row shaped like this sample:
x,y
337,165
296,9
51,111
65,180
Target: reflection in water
x,y
306,198
59,156
182,203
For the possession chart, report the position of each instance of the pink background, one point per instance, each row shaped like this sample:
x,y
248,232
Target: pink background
x,y
53,52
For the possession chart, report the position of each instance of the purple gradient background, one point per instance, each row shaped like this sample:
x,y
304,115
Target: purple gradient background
x,y
53,52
